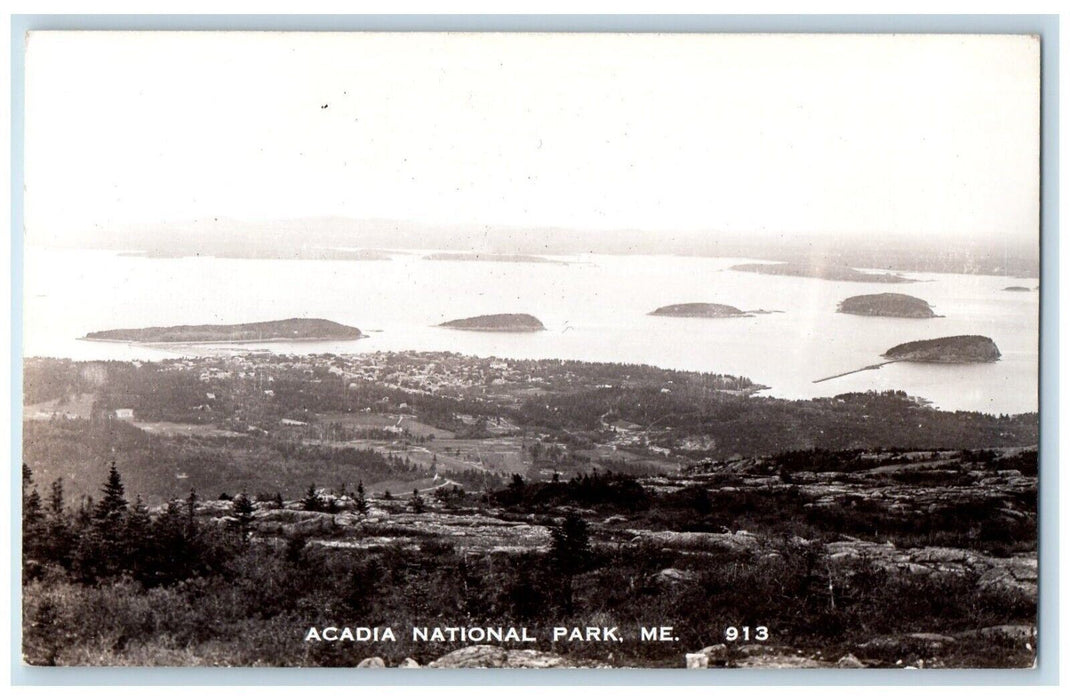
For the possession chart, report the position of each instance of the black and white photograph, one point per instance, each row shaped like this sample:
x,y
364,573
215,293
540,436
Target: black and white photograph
x,y
397,350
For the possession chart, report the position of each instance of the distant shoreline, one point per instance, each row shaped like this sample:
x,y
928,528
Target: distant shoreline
x,y
220,342
1019,270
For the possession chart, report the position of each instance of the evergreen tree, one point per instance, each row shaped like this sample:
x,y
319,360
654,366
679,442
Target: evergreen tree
x,y
32,526
312,500
169,556
191,512
361,499
243,511
138,521
517,484
137,537
27,477
102,551
83,519
570,554
59,538
32,513
416,502
570,547
55,499
112,507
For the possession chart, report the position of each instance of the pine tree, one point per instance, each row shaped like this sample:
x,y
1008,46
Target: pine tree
x,y
59,538
55,499
112,506
108,521
168,559
33,535
83,519
312,500
570,553
191,511
243,511
516,485
361,500
137,536
570,547
101,551
32,513
416,502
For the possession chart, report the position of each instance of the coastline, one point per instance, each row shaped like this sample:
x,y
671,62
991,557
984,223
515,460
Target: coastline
x,y
172,343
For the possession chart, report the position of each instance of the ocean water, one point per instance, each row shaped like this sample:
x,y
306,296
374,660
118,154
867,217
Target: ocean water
x,y
595,308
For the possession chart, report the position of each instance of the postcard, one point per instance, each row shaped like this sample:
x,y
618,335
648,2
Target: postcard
x,y
530,350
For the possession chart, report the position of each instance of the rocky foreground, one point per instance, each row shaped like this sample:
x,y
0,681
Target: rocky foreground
x,y
902,489
496,531
893,491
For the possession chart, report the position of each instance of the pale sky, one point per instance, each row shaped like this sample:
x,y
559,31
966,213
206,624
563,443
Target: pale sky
x,y
921,135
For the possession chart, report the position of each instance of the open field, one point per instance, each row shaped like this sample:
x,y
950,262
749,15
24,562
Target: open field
x,y
77,406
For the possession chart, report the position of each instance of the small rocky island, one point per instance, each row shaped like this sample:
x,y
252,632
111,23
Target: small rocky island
x,y
952,350
887,304
1016,288
699,310
289,329
497,323
837,273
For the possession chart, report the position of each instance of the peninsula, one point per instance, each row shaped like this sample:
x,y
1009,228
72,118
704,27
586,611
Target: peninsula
x,y
887,304
497,323
289,329
837,273
956,349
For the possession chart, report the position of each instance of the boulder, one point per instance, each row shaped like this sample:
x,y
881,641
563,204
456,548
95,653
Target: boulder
x,y
741,541
478,656
1017,633
532,658
372,662
779,660
715,652
932,638
697,660
849,661
409,663
673,576
928,642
